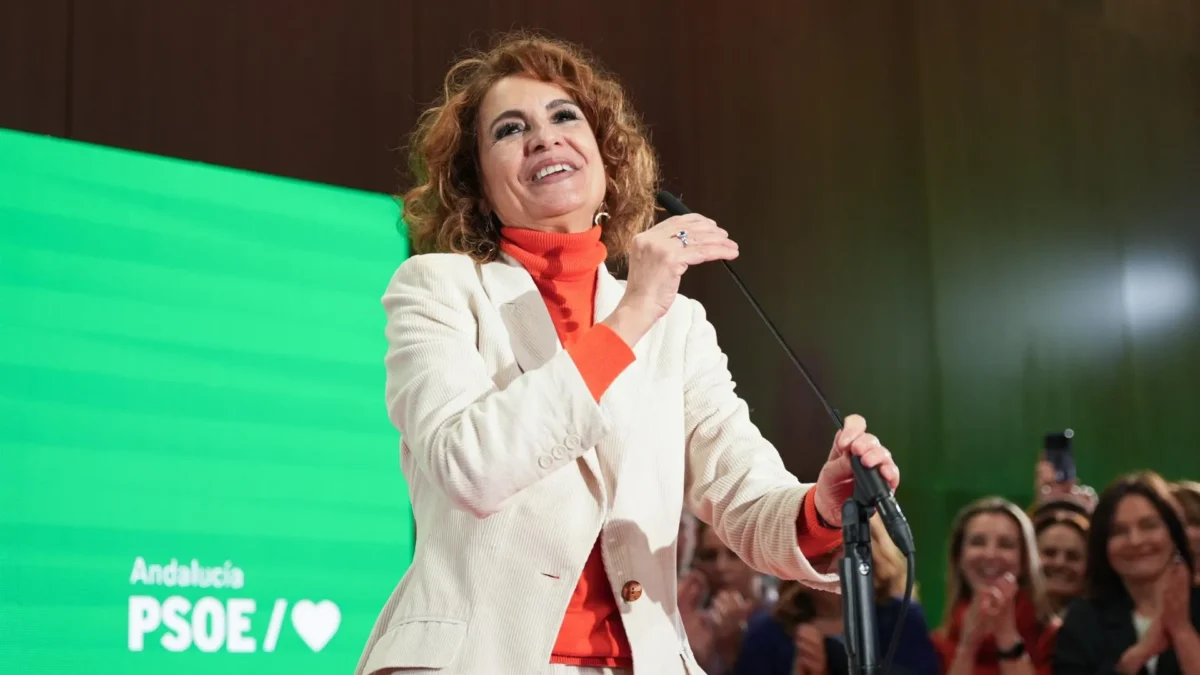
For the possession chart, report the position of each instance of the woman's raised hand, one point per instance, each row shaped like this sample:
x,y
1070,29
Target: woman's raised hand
x,y
658,258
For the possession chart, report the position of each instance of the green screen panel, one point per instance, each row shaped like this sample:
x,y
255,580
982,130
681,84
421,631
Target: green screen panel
x,y
197,474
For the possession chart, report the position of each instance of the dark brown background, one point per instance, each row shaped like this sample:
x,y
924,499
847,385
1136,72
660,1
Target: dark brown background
x,y
948,206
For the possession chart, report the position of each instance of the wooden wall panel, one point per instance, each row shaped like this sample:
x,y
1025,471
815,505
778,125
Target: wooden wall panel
x,y
279,87
1170,25
802,119
34,75
1062,160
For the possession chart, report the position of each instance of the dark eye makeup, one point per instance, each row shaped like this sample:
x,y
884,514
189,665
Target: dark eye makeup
x,y
513,127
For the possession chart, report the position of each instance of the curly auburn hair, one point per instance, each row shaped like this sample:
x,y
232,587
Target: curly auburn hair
x,y
445,211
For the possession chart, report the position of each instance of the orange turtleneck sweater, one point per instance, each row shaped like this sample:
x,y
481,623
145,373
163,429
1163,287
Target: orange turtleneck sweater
x,y
563,267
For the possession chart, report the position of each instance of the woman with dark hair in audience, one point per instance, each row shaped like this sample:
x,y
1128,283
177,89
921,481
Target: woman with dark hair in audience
x,y
1140,613
998,619
1062,547
798,637
1187,493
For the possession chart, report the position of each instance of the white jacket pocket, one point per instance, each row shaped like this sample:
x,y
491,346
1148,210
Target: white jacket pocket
x,y
422,642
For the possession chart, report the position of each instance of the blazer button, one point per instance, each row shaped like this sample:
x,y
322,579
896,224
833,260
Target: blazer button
x,y
572,442
545,461
559,452
631,591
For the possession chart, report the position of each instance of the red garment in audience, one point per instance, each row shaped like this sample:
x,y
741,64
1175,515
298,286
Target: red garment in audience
x,y
1038,637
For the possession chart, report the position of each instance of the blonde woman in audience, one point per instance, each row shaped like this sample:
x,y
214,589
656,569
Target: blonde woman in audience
x,y
1141,613
998,619
799,637
1062,547
1187,493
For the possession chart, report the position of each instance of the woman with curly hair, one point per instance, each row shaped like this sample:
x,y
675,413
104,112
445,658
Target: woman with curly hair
x,y
555,421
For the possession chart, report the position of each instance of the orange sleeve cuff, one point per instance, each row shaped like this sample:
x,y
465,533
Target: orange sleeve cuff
x,y
600,355
814,538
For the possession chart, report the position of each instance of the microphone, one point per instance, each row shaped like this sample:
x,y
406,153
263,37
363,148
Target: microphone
x,y
869,486
871,493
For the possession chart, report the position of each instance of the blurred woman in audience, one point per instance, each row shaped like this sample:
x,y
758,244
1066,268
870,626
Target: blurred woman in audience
x,y
998,620
801,634
1062,547
1140,613
1187,493
798,637
716,599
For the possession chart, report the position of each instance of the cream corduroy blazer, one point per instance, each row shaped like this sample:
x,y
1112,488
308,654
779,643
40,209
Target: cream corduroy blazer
x,y
514,470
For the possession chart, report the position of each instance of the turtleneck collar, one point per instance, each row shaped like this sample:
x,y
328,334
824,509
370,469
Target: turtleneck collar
x,y
555,255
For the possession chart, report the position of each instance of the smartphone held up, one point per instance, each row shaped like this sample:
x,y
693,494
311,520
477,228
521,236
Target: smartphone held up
x,y
1057,447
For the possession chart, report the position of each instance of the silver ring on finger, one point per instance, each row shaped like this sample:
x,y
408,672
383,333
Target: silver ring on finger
x,y
682,237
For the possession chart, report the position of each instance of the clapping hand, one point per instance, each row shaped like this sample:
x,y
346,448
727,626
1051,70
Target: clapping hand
x,y
690,595
1176,591
992,613
1157,638
810,651
728,617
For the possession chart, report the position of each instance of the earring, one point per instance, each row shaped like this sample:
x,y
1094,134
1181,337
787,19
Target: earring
x,y
601,217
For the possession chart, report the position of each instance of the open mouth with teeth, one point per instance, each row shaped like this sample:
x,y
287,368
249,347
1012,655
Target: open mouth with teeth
x,y
551,170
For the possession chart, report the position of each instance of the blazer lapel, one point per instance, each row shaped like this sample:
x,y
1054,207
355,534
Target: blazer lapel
x,y
530,328
1116,624
609,292
623,392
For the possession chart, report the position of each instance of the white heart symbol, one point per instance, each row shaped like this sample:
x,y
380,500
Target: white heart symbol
x,y
316,623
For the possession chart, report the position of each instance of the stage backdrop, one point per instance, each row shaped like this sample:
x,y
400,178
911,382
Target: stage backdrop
x,y
197,474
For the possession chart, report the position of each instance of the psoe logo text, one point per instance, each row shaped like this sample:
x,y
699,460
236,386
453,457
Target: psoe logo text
x,y
210,624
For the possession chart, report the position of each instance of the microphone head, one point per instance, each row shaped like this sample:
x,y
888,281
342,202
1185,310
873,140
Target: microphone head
x,y
671,203
869,485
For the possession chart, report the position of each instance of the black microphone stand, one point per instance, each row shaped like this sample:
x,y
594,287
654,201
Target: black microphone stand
x,y
857,573
870,492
